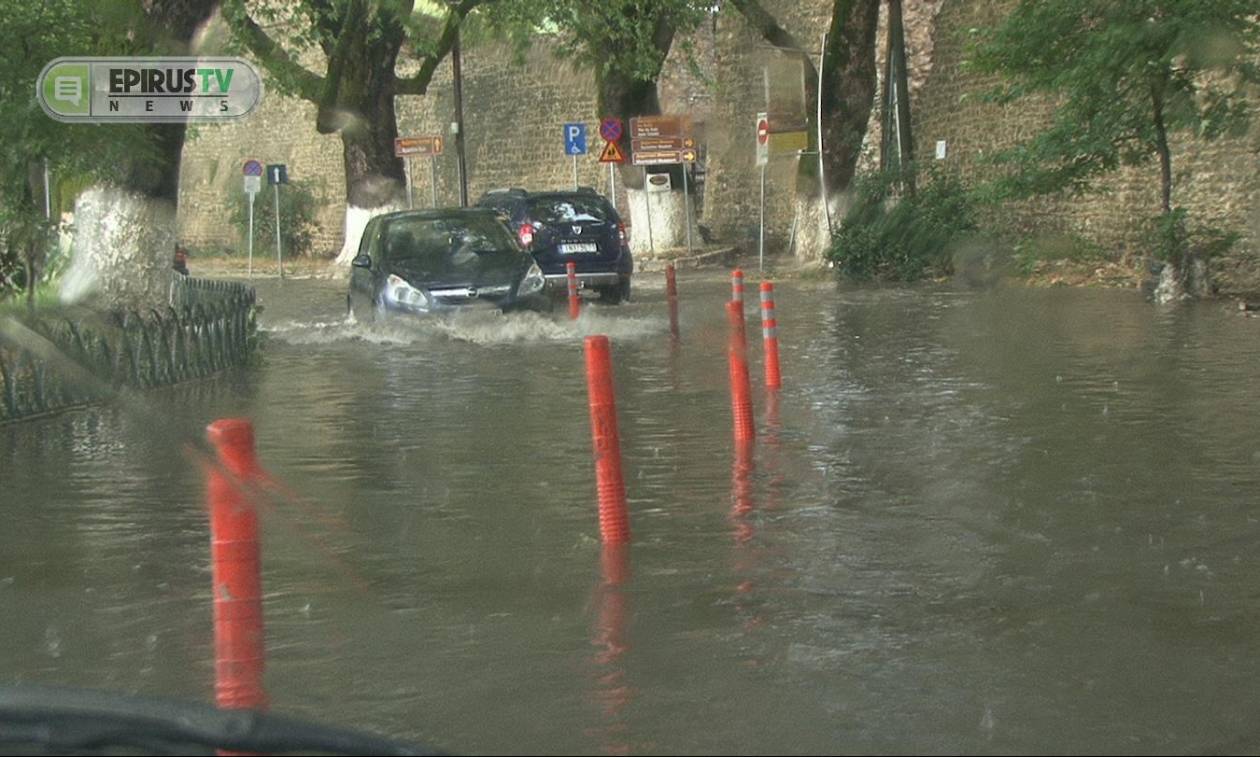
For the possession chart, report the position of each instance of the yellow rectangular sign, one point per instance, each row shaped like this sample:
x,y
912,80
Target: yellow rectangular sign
x,y
788,142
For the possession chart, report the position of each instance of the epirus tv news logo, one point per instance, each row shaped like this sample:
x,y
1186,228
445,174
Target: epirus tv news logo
x,y
148,90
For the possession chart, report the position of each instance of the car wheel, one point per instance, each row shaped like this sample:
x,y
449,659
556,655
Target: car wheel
x,y
360,311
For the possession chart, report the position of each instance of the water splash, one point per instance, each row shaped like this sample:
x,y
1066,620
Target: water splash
x,y
481,327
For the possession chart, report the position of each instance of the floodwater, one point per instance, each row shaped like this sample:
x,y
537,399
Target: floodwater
x,y
1006,521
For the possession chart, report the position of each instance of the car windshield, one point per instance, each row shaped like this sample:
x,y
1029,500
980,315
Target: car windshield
x,y
550,210
457,237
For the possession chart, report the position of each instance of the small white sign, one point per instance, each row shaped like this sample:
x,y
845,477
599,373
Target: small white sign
x,y
763,138
253,184
940,149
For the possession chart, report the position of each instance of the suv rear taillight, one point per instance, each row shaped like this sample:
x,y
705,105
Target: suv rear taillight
x,y
526,234
621,231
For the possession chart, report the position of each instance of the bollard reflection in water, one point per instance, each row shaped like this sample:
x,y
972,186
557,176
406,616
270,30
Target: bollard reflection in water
x,y
608,637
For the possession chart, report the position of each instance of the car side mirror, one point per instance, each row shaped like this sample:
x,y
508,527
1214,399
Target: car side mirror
x,y
362,261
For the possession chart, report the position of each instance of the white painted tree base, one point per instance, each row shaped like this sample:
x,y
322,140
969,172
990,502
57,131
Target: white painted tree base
x,y
813,238
666,229
356,220
123,248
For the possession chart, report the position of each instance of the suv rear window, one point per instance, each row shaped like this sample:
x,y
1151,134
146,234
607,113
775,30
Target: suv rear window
x,y
552,210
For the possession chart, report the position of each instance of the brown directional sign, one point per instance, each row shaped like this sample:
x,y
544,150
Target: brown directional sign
x,y
661,140
424,147
659,126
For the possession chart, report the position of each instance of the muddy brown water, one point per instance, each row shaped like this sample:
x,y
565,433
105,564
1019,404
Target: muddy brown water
x,y
983,522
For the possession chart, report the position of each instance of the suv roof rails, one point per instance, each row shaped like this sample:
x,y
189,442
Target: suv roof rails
x,y
508,190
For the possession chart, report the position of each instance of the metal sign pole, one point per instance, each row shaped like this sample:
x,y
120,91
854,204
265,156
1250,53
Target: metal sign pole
x,y
411,205
822,176
647,203
433,179
279,259
761,238
687,207
612,185
251,234
575,172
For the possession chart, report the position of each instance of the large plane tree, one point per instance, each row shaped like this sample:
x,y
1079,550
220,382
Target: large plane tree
x,y
124,224
360,42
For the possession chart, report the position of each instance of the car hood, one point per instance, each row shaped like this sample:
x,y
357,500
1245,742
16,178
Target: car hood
x,y
470,269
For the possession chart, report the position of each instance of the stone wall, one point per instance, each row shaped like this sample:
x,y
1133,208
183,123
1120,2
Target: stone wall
x,y
513,114
514,110
1218,182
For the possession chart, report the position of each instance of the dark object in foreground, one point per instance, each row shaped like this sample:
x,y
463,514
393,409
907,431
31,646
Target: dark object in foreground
x,y
433,261
53,720
578,227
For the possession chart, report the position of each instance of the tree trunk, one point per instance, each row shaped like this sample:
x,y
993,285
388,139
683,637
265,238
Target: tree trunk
x,y
126,233
848,88
360,107
621,96
375,178
1178,268
658,220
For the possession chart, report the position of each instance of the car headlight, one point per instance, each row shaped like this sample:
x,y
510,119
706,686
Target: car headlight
x,y
399,292
533,281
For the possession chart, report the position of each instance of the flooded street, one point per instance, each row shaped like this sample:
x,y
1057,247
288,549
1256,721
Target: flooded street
x,y
988,522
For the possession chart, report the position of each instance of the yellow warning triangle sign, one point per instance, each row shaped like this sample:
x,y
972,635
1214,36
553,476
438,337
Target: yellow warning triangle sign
x,y
612,154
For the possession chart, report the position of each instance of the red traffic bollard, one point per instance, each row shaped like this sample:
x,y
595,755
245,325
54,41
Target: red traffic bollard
x,y
614,521
671,293
737,361
737,286
770,336
575,304
235,567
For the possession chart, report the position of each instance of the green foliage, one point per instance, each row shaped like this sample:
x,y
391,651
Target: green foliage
x,y
903,238
1029,252
31,35
621,38
298,206
1123,73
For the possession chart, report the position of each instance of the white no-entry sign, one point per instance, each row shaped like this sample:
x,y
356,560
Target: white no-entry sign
x,y
763,139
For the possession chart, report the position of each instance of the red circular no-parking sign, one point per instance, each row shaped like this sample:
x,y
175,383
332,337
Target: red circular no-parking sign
x,y
763,131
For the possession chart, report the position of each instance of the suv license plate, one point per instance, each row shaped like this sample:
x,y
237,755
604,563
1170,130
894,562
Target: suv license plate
x,y
570,248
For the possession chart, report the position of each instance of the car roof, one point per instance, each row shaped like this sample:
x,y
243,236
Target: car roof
x,y
516,193
434,213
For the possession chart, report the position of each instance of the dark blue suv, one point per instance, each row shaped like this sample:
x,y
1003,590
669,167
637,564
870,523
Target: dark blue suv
x,y
578,226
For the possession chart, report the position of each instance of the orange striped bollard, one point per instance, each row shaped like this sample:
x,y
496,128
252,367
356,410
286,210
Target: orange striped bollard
x,y
770,336
235,567
737,362
671,294
575,305
614,521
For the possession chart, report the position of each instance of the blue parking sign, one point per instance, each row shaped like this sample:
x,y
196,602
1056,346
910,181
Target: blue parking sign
x,y
575,139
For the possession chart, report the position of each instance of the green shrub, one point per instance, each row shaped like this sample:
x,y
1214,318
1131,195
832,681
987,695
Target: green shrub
x,y
1030,251
1171,237
298,205
903,238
